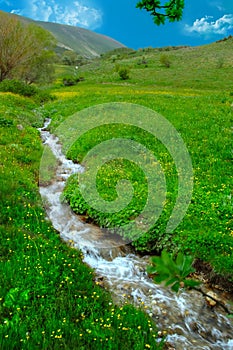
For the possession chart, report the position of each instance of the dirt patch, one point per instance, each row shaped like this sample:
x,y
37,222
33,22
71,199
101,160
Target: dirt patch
x,y
207,275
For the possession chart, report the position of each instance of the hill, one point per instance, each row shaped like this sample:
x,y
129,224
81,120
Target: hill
x,y
83,41
202,67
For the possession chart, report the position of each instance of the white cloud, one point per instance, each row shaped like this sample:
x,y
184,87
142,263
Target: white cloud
x,y
206,26
75,13
78,14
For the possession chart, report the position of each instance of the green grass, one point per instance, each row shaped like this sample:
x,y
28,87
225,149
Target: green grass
x,y
191,68
200,111
204,120
49,298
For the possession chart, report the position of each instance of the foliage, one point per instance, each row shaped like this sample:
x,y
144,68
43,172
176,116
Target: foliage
x,y
173,271
71,58
165,60
220,62
201,113
124,73
71,80
171,10
19,87
197,101
25,50
41,69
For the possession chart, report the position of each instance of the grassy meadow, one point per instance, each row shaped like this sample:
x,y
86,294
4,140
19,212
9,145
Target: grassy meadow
x,y
49,299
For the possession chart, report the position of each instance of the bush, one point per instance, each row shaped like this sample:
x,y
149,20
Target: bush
x,y
165,61
123,73
5,122
220,62
43,96
71,80
17,87
20,88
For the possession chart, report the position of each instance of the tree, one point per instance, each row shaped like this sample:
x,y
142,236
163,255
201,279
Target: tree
x,y
71,58
171,10
24,48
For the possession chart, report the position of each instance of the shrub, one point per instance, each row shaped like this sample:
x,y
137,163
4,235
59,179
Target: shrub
x,y
43,96
220,62
5,122
71,80
165,60
20,88
123,73
17,87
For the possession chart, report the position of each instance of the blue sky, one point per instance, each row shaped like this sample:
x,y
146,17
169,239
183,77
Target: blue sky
x,y
204,21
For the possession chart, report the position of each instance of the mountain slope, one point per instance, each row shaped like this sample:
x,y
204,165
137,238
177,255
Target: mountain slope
x,y
83,41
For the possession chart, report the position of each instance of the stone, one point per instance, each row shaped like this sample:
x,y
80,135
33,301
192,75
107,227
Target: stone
x,y
210,301
20,127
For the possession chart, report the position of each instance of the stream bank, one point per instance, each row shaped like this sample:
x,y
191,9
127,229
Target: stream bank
x,y
185,318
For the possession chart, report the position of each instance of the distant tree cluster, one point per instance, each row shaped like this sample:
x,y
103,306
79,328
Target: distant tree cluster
x,y
71,58
26,51
171,10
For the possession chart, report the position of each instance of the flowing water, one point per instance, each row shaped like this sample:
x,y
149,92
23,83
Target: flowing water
x,y
185,318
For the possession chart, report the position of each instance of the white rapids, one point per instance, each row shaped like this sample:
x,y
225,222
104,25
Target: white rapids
x,y
184,318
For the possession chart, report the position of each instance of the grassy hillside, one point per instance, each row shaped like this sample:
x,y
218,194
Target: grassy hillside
x,y
49,298
82,41
195,94
205,67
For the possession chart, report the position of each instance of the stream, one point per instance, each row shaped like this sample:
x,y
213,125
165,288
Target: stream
x,y
184,318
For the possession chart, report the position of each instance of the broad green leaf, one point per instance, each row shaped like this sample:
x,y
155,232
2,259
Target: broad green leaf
x,y
191,283
151,269
171,281
180,260
176,287
161,278
166,258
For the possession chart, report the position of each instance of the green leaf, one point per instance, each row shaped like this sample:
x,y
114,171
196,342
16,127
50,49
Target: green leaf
x,y
151,269
166,258
180,260
187,266
171,281
160,278
176,287
172,270
191,283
